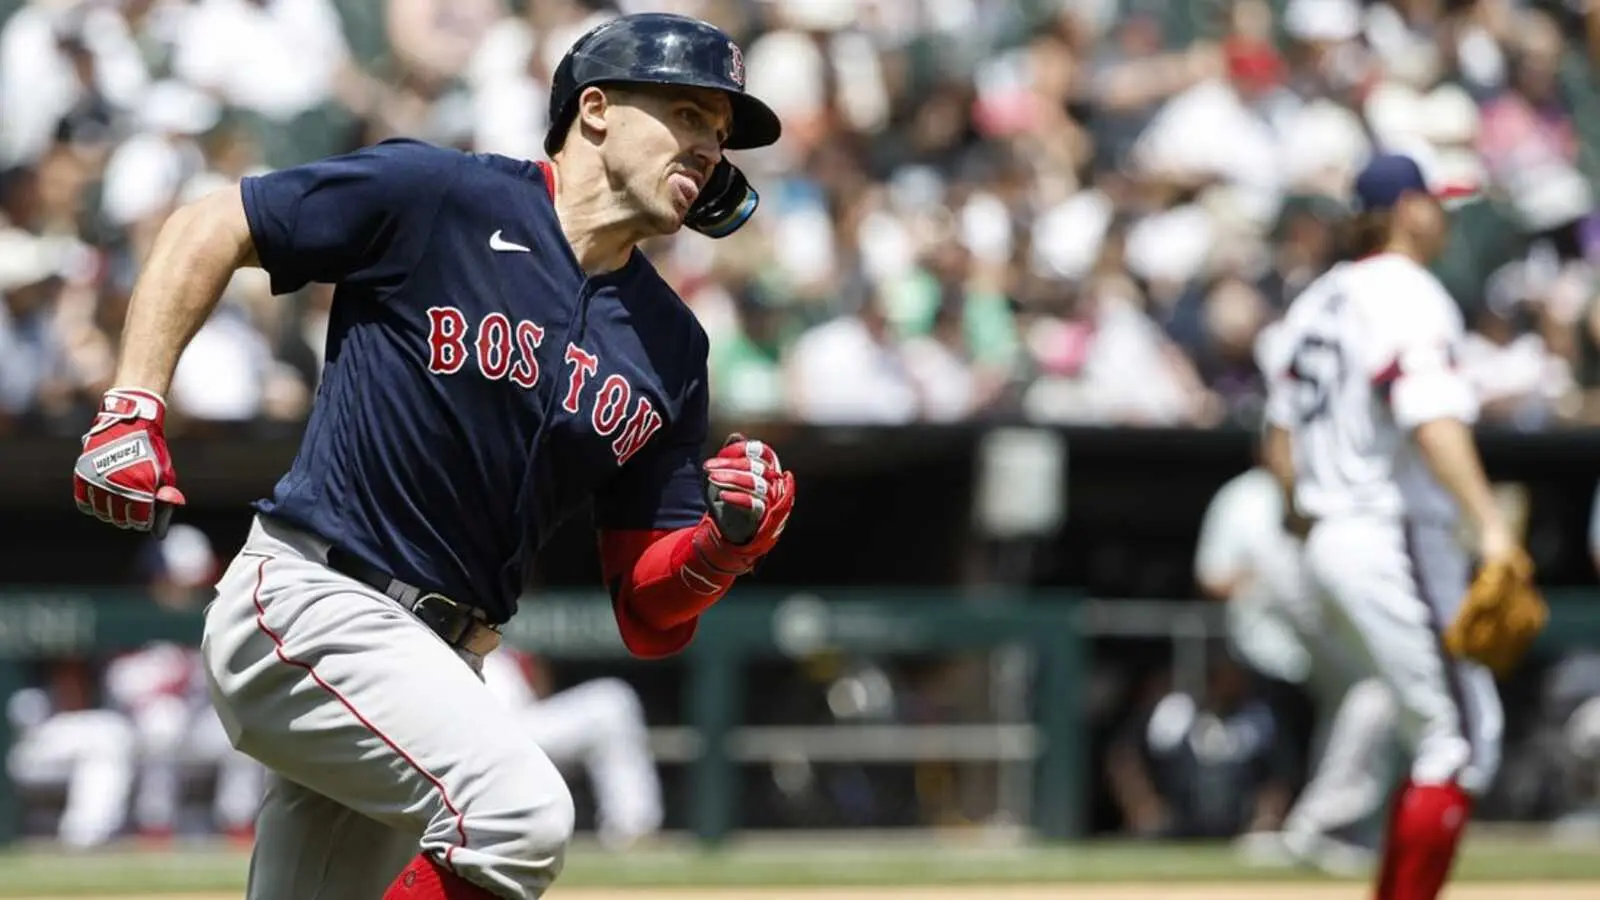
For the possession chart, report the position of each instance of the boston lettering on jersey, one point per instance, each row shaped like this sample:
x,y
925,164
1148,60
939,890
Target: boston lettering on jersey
x,y
499,355
479,387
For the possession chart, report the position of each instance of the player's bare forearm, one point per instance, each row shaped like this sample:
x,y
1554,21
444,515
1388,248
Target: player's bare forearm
x,y
195,254
1277,454
1448,448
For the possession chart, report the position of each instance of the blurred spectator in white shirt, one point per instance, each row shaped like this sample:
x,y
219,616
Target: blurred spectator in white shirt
x,y
277,58
146,173
228,372
850,371
1110,364
1518,380
54,56
35,371
29,352
1529,138
941,366
510,70
435,39
800,67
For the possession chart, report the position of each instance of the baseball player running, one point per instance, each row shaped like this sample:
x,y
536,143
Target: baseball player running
x,y
501,355
1376,421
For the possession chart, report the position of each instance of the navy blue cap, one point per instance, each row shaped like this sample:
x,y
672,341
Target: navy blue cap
x,y
1385,179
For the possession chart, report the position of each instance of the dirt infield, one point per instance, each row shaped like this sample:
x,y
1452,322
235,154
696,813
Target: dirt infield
x,y
1165,891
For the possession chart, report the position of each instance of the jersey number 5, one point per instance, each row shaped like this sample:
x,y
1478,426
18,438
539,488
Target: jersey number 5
x,y
1317,368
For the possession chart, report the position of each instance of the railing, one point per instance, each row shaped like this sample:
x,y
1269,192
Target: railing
x,y
1036,641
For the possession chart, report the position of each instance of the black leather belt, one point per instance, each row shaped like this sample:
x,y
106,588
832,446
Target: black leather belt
x,y
460,625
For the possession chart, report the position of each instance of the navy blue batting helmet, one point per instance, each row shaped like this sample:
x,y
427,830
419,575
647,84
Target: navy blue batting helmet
x,y
659,48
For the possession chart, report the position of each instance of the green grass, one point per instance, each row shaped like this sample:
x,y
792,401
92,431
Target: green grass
x,y
43,872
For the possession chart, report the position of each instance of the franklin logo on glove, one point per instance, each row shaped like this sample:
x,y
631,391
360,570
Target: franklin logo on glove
x,y
116,458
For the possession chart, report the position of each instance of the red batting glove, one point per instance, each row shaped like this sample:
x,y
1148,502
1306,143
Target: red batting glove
x,y
124,475
751,496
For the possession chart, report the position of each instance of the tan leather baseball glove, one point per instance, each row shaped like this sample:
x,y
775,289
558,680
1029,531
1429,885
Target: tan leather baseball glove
x,y
1502,613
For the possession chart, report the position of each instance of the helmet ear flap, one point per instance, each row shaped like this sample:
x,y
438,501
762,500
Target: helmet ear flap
x,y
725,203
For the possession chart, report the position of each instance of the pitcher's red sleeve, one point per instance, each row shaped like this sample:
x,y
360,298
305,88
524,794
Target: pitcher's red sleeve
x,y
656,602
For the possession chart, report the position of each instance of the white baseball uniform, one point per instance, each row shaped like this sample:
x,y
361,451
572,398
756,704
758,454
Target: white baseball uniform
x,y
91,752
599,724
162,689
1277,624
1370,348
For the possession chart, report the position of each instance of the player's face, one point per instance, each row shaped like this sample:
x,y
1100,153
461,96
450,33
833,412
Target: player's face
x,y
1428,223
674,140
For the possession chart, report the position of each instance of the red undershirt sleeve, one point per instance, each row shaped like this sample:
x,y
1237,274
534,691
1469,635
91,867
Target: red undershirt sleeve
x,y
656,597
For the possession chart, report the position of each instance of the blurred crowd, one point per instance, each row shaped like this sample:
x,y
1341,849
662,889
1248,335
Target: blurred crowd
x,y
1061,210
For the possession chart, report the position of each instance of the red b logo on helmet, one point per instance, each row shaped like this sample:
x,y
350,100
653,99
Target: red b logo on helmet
x,y
736,64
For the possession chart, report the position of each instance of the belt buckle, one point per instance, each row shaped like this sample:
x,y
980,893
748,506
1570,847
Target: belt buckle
x,y
445,616
457,623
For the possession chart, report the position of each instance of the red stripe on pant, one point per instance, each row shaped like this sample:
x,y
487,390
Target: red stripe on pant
x,y
277,643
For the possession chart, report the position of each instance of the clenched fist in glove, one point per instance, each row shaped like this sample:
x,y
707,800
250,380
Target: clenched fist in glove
x,y
750,495
124,475
1501,615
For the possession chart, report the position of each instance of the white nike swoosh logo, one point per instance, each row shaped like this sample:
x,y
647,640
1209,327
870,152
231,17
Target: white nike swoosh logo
x,y
496,242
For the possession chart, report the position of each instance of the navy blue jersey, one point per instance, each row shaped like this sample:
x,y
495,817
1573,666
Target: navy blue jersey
x,y
479,388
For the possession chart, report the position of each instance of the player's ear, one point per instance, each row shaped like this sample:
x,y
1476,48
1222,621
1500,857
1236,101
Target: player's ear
x,y
592,105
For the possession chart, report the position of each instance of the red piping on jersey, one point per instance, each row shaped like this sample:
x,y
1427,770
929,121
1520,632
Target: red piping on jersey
x,y
277,643
549,173
1390,373
1387,376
